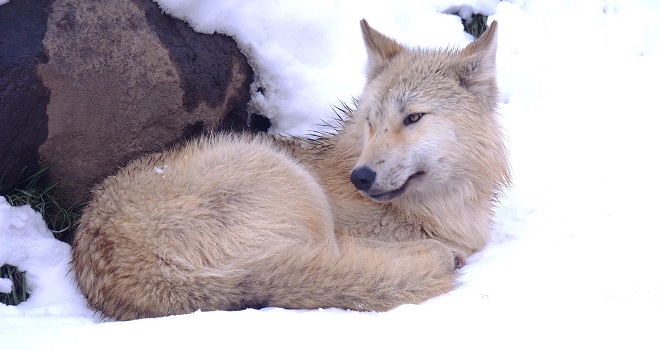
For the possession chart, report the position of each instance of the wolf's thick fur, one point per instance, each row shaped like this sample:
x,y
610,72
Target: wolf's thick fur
x,y
237,221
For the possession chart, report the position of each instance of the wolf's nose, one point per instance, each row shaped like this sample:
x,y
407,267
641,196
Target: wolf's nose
x,y
363,178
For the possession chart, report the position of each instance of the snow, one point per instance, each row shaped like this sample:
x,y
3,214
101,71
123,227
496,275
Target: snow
x,y
5,285
573,259
161,169
27,244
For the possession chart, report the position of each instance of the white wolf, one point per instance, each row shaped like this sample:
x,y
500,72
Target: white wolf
x,y
379,215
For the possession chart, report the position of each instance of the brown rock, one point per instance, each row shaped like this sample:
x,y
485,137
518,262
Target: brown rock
x,y
23,97
125,79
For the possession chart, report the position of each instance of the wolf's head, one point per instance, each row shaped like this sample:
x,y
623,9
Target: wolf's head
x,y
427,119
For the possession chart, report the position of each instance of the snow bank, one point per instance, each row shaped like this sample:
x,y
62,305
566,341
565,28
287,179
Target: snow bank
x,y
27,243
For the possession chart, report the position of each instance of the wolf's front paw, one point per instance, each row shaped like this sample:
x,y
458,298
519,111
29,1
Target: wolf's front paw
x,y
459,259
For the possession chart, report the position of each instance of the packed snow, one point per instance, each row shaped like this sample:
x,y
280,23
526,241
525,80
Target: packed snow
x,y
574,255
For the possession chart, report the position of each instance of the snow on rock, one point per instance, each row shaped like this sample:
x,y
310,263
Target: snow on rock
x,y
28,244
466,9
309,55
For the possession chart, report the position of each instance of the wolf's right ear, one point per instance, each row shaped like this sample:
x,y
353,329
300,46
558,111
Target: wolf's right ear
x,y
380,49
476,68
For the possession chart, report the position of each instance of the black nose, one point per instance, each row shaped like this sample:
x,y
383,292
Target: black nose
x,y
363,178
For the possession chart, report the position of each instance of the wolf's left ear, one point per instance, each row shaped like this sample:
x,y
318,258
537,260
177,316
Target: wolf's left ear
x,y
476,65
380,49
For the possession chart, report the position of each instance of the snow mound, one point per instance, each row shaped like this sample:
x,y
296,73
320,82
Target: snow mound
x,y
28,244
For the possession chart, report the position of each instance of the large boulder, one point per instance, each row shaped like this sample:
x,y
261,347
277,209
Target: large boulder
x,y
23,96
120,78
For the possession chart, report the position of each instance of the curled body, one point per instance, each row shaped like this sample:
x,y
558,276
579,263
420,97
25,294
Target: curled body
x,y
378,215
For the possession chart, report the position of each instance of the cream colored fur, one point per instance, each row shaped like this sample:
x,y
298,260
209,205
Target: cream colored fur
x,y
237,221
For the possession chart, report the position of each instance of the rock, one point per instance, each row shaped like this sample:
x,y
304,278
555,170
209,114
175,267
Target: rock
x,y
23,96
120,79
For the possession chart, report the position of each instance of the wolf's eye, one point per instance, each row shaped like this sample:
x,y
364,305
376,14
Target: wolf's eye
x,y
412,118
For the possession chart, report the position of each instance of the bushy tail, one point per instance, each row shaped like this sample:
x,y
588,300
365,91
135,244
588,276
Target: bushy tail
x,y
373,276
365,275
361,276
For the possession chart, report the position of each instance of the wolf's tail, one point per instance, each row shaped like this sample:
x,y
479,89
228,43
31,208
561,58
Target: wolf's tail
x,y
362,276
371,277
365,275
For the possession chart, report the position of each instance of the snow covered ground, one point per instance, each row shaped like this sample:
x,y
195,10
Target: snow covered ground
x,y
574,258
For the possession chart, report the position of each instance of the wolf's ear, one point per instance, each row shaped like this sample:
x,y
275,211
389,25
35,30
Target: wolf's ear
x,y
380,49
476,65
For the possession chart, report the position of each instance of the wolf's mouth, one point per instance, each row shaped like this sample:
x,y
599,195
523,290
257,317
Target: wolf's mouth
x,y
387,196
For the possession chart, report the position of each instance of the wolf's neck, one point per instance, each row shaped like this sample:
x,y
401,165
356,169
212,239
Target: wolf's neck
x,y
454,216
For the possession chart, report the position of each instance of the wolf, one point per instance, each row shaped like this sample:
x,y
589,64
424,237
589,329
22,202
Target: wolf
x,y
379,214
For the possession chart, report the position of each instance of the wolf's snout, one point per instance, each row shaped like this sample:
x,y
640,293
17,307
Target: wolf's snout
x,y
363,178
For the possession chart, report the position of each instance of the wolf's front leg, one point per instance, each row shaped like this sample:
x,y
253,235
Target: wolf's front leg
x,y
441,253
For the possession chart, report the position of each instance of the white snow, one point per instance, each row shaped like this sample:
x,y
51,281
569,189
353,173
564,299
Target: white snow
x,y
573,260
5,285
161,169
26,243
